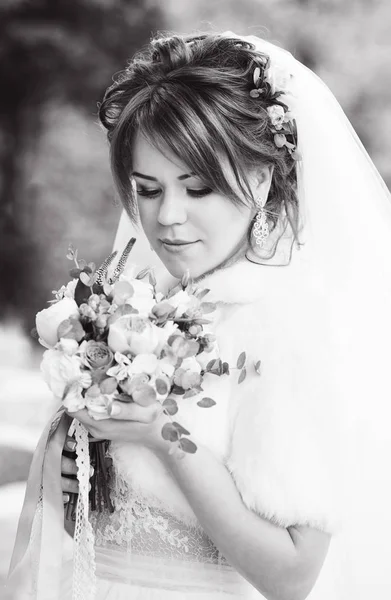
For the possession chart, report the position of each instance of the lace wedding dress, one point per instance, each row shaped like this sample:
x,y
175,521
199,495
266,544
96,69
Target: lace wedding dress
x,y
142,551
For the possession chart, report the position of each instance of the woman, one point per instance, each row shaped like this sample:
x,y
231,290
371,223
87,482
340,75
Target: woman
x,y
248,175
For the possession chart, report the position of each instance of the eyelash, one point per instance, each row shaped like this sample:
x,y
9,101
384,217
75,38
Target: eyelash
x,y
201,193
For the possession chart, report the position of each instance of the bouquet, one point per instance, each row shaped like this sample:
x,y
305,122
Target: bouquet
x,y
114,337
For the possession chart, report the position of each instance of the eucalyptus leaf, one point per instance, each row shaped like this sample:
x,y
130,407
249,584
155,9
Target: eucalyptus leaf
x,y
177,390
206,403
170,433
190,393
257,367
161,386
181,430
187,445
170,406
241,360
242,375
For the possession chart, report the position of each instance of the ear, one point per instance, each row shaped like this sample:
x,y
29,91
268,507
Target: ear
x,y
263,182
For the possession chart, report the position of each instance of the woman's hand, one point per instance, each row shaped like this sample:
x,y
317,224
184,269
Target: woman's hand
x,y
129,422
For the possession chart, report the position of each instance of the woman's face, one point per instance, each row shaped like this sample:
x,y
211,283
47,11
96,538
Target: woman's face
x,y
188,225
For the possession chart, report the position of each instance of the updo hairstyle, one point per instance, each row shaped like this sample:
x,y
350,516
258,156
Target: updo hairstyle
x,y
191,95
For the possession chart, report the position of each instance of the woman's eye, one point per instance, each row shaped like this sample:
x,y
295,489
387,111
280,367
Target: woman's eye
x,y
200,192
148,193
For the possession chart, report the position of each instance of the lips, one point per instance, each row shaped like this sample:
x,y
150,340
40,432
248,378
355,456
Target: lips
x,y
176,242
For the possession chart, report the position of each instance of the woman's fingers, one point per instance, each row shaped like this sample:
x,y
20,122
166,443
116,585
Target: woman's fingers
x,y
68,466
131,411
70,444
69,485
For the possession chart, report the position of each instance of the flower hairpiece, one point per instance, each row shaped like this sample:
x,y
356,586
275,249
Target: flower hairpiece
x,y
282,122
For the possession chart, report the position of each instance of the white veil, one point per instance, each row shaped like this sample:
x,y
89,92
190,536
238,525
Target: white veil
x,y
346,210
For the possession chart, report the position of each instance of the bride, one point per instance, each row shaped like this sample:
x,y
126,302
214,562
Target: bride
x,y
242,169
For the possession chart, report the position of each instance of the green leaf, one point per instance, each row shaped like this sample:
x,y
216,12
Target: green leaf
x,y
226,368
181,430
177,390
170,433
82,263
257,367
190,393
206,403
209,366
242,375
187,445
241,360
74,273
161,386
170,406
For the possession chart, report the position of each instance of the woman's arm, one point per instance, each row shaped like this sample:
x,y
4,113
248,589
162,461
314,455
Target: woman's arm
x,y
283,564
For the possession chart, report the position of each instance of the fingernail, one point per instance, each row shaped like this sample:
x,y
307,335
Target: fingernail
x,y
115,409
65,498
71,445
92,471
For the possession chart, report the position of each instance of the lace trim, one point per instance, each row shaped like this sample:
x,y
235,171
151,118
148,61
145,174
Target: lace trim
x,y
84,580
139,528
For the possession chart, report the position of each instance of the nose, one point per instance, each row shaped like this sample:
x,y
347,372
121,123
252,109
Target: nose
x,y
172,209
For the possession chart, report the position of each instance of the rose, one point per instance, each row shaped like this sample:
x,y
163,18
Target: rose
x,y
134,334
98,357
276,115
48,320
65,378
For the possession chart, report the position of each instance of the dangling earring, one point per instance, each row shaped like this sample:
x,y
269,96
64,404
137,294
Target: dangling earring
x,y
261,226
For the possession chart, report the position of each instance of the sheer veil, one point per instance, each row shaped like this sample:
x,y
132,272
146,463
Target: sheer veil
x,y
346,212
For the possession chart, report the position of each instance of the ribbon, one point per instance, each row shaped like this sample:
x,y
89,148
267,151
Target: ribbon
x,y
42,580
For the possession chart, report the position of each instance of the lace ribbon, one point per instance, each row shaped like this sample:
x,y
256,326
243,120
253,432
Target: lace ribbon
x,y
84,579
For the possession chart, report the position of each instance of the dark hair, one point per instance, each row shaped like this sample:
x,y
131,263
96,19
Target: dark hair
x,y
191,95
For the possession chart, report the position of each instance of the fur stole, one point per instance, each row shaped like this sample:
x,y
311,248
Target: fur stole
x,y
280,433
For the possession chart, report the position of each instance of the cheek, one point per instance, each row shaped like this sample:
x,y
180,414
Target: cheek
x,y
148,217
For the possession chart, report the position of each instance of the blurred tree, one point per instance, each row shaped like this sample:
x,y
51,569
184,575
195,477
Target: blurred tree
x,y
50,49
347,42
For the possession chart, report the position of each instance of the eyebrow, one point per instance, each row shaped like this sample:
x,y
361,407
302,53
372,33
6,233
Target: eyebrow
x,y
149,178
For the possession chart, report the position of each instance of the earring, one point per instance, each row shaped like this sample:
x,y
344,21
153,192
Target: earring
x,y
261,226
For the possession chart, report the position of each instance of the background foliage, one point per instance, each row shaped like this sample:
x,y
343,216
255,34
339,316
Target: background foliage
x,y
56,59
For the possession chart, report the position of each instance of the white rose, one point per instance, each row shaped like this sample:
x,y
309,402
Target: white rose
x,y
48,320
134,334
64,376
